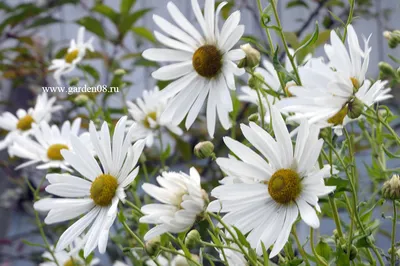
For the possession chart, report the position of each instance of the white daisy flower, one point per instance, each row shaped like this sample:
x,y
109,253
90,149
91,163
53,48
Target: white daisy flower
x,y
21,123
353,64
75,53
70,258
182,200
66,259
326,97
178,260
205,65
47,144
146,115
97,194
273,189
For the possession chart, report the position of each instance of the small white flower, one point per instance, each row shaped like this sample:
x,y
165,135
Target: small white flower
x,y
97,194
146,113
65,258
182,200
268,193
21,123
178,260
47,144
205,67
75,53
324,96
329,88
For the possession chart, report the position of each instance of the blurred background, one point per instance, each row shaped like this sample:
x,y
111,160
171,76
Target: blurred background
x,y
34,32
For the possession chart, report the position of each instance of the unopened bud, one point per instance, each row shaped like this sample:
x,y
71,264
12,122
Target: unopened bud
x,y
353,251
252,58
355,108
254,117
394,39
120,72
81,99
204,149
74,82
256,81
386,70
152,246
386,34
391,188
192,239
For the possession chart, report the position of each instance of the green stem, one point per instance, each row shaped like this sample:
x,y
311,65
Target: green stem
x,y
178,254
291,59
317,256
301,249
233,235
162,150
133,234
394,223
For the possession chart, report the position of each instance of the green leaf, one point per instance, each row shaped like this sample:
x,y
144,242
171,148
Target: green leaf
x,y
126,5
336,18
92,25
90,70
311,41
266,15
145,33
43,21
292,39
299,3
128,20
279,68
324,250
390,154
341,184
108,12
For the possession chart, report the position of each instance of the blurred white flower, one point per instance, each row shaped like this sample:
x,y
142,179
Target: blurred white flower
x,y
146,113
96,196
205,65
75,53
182,200
21,123
47,144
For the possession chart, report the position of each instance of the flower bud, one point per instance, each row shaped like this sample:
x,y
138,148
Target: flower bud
x,y
254,117
355,108
256,81
386,70
180,260
192,239
152,246
353,251
393,38
252,58
74,82
387,34
391,188
81,99
120,72
204,149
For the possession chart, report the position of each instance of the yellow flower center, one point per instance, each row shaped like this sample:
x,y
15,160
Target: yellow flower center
x,y
103,189
71,56
54,151
25,123
152,116
355,83
284,186
207,61
338,118
72,262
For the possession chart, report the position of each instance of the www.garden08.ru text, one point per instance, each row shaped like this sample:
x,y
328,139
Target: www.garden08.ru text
x,y
82,89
